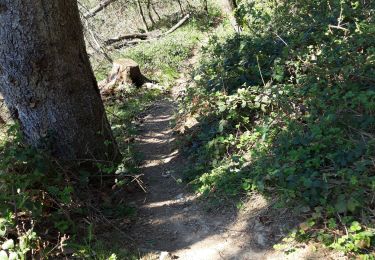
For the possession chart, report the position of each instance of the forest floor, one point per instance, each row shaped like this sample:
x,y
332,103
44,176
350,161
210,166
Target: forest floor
x,y
175,223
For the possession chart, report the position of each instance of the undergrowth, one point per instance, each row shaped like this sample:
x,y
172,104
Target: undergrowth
x,y
162,59
49,210
287,108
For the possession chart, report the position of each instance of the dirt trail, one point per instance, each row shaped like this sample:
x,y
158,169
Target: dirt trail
x,y
173,223
170,218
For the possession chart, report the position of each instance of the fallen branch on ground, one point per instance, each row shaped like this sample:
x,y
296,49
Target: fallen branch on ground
x,y
92,12
174,28
133,42
143,37
137,178
105,219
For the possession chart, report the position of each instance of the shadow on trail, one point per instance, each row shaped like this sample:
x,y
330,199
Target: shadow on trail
x,y
171,218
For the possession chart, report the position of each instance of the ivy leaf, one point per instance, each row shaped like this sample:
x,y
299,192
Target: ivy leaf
x,y
3,255
8,244
355,226
353,204
340,205
3,228
222,125
222,106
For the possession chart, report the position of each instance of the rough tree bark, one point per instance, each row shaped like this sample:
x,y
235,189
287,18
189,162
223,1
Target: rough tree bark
x,y
48,83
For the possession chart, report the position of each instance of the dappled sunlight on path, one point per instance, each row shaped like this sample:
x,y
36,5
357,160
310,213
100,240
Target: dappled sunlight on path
x,y
174,223
172,219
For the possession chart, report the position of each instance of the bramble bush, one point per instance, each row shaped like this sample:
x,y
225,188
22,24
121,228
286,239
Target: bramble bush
x,y
288,107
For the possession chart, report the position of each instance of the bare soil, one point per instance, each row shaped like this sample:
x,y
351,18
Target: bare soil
x,y
171,218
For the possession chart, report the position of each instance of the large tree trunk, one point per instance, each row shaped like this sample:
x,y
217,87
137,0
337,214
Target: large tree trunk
x,y
47,80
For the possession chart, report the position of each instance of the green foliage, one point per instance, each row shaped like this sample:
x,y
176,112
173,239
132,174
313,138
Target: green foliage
x,y
101,250
41,201
353,239
11,250
162,59
31,190
288,107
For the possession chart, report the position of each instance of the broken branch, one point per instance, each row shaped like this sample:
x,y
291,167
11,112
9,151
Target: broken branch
x,y
143,37
92,12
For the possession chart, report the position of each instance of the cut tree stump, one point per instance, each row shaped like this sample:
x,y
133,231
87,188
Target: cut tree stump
x,y
124,71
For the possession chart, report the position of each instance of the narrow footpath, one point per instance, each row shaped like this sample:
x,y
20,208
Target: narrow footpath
x,y
174,223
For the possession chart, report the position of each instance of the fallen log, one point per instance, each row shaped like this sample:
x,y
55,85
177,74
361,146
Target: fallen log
x,y
132,42
143,37
178,25
92,12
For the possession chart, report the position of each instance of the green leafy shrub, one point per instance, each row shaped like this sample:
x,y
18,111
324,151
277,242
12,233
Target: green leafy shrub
x,y
32,189
288,107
